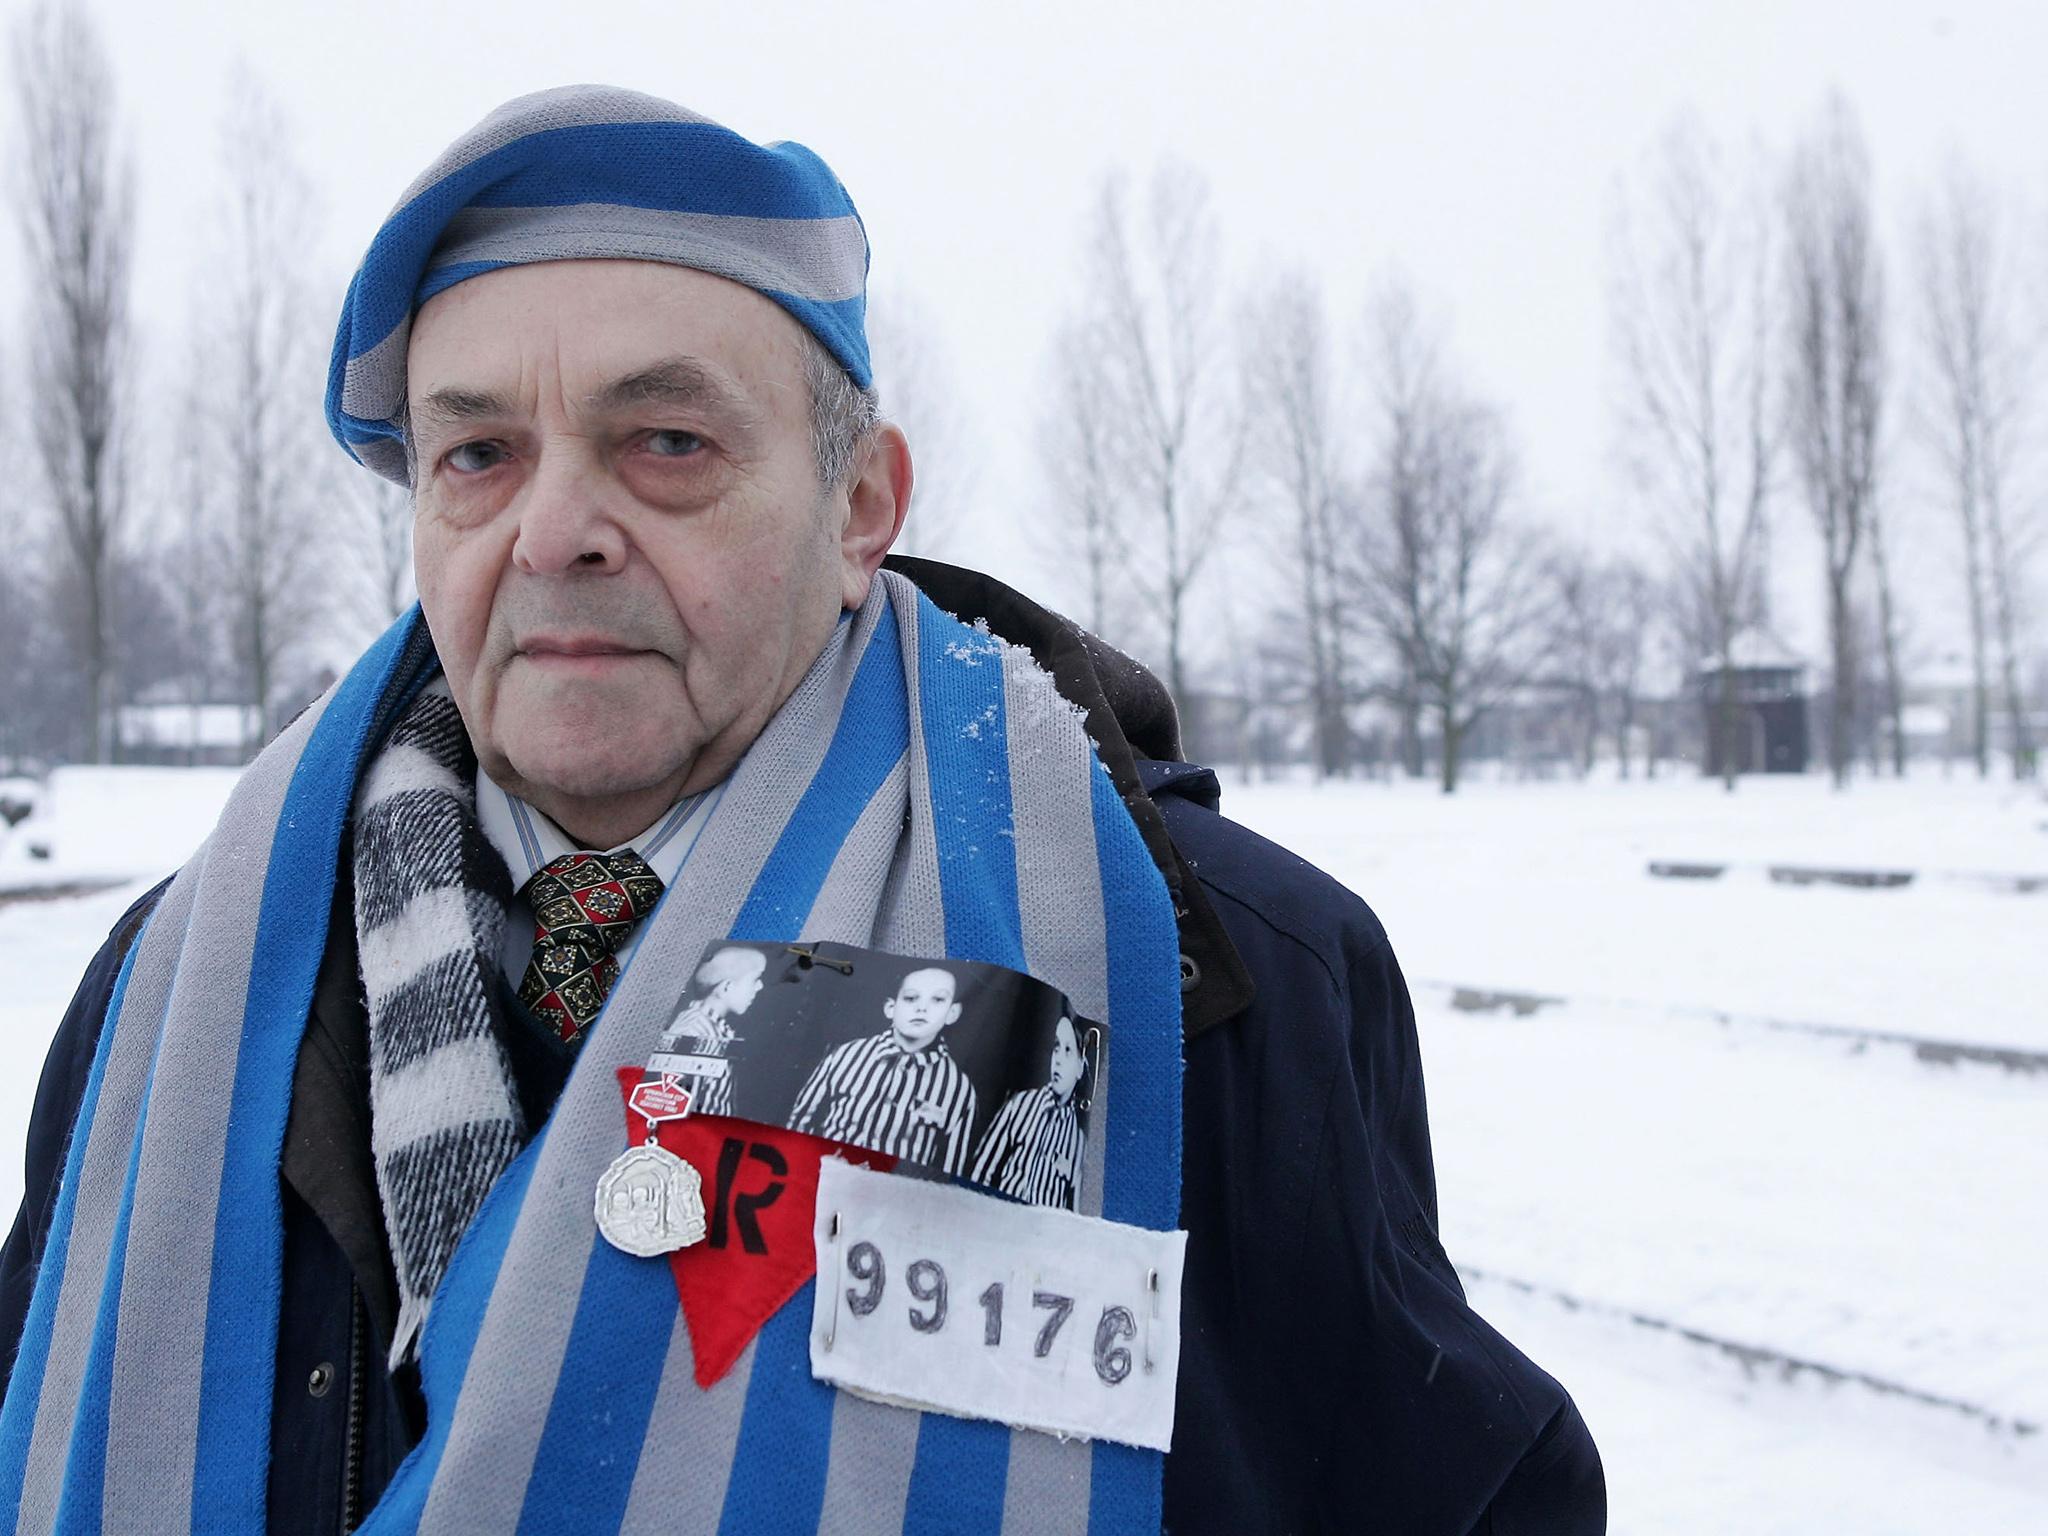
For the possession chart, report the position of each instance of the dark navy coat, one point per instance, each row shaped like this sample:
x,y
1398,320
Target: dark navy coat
x,y
1332,1377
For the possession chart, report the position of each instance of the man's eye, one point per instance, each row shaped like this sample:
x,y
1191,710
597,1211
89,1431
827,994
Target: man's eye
x,y
674,445
473,458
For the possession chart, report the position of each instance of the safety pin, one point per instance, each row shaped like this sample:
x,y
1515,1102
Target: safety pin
x,y
807,956
1092,1036
832,1327
1152,1321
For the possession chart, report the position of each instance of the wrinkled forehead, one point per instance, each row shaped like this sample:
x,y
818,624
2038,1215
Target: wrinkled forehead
x,y
594,173
604,336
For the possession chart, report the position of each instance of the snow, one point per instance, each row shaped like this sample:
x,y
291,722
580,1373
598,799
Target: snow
x,y
1544,888
1794,1280
1851,1209
113,824
1695,1445
1851,1233
45,947
1756,648
114,831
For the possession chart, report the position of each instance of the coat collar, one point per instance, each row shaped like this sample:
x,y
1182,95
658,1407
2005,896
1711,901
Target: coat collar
x,y
1130,717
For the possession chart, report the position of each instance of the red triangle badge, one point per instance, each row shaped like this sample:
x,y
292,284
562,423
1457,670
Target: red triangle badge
x,y
760,1193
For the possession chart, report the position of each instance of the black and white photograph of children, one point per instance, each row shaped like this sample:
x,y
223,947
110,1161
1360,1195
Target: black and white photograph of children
x,y
898,1090
694,1046
962,1068
1034,1147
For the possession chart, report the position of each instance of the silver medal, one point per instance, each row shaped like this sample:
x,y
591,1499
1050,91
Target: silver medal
x,y
650,1201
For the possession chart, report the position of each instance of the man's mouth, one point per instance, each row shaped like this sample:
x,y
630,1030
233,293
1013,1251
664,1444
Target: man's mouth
x,y
576,653
574,645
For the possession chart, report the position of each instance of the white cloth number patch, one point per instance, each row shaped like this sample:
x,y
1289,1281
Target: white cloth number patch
x,y
945,1299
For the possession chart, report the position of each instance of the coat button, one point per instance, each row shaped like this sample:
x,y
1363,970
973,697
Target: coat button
x,y
1190,974
321,1379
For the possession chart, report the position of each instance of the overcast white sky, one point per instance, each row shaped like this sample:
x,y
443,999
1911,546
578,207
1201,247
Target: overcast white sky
x,y
1473,144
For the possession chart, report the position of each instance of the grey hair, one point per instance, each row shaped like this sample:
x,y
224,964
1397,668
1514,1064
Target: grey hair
x,y
843,415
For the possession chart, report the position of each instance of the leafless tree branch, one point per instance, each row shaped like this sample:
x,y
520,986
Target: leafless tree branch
x,y
75,209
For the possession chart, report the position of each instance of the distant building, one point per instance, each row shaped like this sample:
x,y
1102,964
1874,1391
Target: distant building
x,y
1941,712
213,735
1769,733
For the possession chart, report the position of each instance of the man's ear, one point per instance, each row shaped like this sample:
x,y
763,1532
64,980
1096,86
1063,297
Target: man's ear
x,y
875,505
953,1013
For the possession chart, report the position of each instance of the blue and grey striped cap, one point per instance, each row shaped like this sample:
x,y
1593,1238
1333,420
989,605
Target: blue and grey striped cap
x,y
594,171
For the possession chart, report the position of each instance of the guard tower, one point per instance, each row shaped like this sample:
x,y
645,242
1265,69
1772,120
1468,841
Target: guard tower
x,y
1769,730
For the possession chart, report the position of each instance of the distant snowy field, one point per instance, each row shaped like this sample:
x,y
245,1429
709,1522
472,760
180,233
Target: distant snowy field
x,y
95,825
1695,1132
1793,1266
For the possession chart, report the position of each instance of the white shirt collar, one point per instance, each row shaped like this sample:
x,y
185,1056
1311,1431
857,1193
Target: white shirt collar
x,y
528,840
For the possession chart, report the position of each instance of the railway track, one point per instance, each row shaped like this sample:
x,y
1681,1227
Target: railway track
x,y
1927,1049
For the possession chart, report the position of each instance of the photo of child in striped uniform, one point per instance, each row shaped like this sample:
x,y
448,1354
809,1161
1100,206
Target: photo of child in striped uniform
x,y
1033,1149
693,1047
900,1091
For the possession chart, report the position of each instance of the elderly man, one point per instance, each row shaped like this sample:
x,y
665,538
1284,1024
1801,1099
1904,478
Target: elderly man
x,y
309,1241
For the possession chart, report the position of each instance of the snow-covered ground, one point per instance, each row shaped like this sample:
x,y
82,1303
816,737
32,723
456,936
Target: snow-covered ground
x,y
1545,888
1797,1281
110,833
95,825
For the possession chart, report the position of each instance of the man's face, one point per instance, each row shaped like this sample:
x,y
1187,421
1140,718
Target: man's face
x,y
624,553
923,1006
1065,1070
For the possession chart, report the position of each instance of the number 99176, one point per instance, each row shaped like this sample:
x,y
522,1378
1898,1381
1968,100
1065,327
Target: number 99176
x,y
1035,1322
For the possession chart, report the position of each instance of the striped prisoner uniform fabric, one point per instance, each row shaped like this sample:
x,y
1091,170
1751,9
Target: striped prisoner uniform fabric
x,y
593,172
697,1033
873,1093
431,899
1033,1150
556,1372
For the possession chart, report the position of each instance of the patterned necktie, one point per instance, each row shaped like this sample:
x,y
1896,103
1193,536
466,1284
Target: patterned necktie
x,y
585,906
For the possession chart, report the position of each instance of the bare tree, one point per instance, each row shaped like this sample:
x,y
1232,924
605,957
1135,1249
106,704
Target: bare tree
x,y
1401,358
195,546
376,517
1290,403
1604,621
1980,367
16,625
1442,571
1889,623
921,395
1084,530
2008,558
1691,310
259,390
1174,438
1639,627
1582,638
1835,367
75,209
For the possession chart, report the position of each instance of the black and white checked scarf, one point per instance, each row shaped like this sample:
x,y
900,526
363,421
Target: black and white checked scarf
x,y
431,900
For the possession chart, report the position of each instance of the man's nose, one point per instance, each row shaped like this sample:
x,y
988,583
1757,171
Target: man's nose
x,y
568,521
